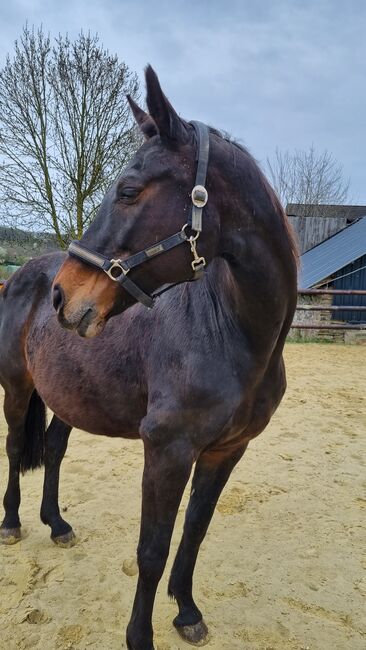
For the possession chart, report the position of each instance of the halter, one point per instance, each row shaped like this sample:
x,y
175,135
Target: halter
x,y
117,270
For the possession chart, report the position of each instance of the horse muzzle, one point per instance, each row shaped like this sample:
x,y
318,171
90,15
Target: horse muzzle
x,y
83,318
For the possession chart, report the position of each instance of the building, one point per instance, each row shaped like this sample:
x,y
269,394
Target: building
x,y
339,262
314,224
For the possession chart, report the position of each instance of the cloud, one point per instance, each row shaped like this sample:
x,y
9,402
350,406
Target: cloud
x,y
281,73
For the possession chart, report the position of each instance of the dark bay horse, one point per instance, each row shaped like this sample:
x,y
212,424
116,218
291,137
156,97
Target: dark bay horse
x,y
196,377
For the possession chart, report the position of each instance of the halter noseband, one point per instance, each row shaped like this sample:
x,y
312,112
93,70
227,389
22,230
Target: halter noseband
x,y
118,270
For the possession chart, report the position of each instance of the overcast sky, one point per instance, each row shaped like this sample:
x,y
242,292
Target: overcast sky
x,y
286,73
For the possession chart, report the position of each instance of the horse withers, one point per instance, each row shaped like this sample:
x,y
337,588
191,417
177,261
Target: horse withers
x,y
196,377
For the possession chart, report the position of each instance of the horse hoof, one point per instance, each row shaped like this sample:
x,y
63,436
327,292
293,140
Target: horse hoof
x,y
65,541
10,536
194,634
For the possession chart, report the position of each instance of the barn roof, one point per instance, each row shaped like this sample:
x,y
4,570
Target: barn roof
x,y
333,254
349,212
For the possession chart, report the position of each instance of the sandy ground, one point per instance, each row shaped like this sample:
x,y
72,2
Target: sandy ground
x,y
281,567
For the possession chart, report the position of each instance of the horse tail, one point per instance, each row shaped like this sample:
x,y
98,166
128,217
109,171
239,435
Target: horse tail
x,y
34,434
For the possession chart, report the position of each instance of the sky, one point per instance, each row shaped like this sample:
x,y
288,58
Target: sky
x,y
272,73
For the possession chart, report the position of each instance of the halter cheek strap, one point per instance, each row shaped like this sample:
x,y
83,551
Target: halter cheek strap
x,y
117,269
199,193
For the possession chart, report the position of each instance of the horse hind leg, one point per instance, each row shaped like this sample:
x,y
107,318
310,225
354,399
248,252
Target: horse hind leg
x,y
211,473
56,439
25,415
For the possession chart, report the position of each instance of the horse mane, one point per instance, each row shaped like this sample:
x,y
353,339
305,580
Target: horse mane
x,y
275,202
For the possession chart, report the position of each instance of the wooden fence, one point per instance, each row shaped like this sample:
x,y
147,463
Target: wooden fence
x,y
325,296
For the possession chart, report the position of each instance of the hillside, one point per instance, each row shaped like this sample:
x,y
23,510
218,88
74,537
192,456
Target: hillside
x,y
18,246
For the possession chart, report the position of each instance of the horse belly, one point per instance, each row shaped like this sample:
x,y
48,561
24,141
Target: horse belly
x,y
83,383
98,414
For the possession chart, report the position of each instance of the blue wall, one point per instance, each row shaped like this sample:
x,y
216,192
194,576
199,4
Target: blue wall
x,y
357,280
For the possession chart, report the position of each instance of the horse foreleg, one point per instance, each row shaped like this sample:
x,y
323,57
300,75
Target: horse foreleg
x,y
56,439
212,471
166,473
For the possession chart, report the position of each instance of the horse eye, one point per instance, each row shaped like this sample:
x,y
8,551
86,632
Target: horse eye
x,y
128,193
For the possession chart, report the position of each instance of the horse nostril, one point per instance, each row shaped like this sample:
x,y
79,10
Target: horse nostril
x,y
58,297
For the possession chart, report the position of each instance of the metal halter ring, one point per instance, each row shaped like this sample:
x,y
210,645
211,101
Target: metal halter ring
x,y
191,238
116,264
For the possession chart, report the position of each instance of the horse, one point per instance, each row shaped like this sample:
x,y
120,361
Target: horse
x,y
168,324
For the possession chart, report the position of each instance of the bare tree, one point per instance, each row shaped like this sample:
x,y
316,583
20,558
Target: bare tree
x,y
65,131
308,178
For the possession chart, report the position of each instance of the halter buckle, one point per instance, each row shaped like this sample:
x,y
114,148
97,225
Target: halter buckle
x,y
120,270
199,196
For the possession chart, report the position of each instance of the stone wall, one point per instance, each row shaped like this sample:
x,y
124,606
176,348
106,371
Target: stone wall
x,y
308,316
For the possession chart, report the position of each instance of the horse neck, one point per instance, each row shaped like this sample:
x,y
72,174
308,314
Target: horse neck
x,y
256,242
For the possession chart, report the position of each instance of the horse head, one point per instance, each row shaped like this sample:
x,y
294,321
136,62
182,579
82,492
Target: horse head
x,y
140,237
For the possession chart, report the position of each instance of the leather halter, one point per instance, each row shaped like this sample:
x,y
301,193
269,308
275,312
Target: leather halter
x,y
118,269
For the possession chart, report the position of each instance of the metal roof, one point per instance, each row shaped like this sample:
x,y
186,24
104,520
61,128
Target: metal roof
x,y
333,254
350,212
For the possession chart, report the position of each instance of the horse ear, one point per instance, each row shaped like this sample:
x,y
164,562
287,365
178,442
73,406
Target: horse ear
x,y
144,120
170,125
